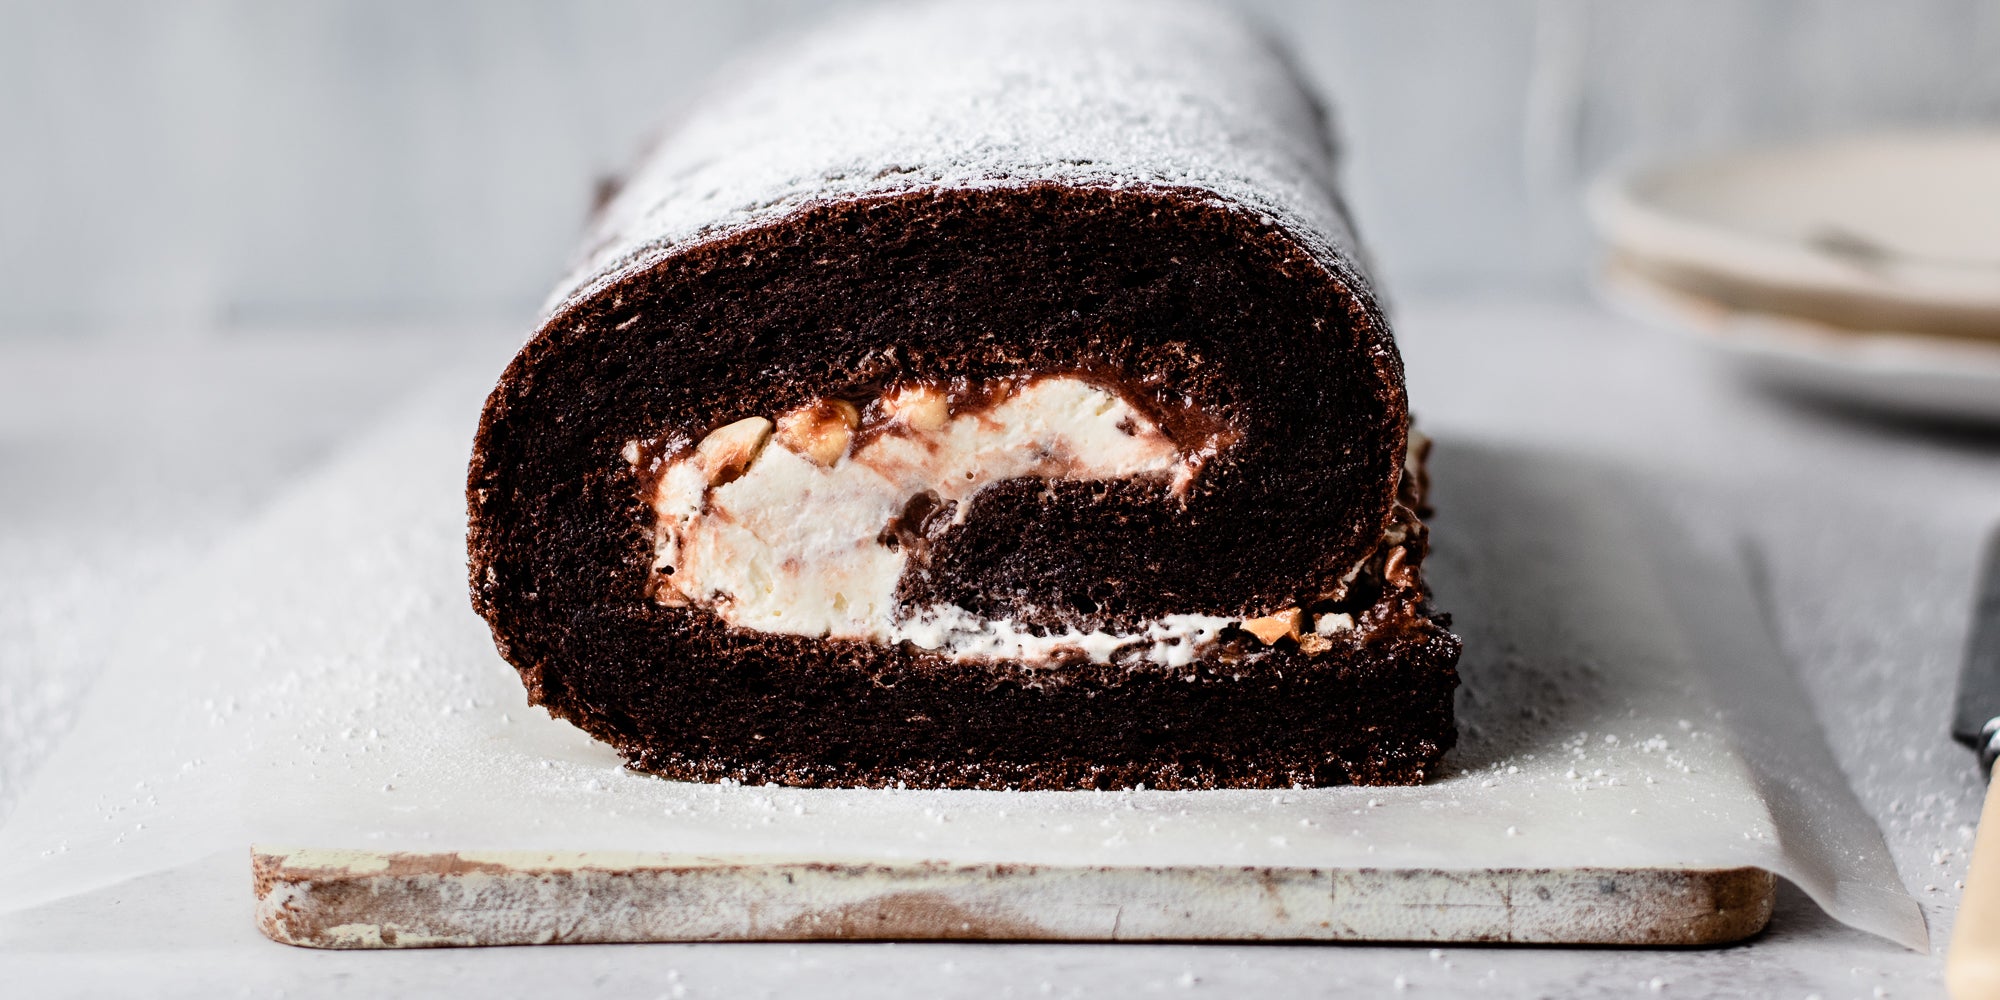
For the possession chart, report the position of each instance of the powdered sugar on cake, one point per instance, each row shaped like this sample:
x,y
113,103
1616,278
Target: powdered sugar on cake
x,y
984,96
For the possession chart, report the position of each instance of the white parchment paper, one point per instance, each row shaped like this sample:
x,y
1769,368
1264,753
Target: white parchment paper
x,y
321,681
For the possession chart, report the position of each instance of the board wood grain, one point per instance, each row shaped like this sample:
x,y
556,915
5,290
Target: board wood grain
x,y
344,899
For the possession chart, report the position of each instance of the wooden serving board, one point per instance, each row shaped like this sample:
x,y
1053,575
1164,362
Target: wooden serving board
x,y
354,899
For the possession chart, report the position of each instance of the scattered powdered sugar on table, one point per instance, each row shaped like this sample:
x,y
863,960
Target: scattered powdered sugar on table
x,y
903,98
361,705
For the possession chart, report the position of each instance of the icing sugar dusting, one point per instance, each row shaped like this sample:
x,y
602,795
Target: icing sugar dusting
x,y
1117,94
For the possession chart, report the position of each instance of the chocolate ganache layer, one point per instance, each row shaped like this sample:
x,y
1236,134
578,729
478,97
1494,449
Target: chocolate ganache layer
x,y
974,396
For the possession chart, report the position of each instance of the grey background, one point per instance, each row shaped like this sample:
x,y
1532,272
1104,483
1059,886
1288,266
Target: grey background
x,y
232,232
173,168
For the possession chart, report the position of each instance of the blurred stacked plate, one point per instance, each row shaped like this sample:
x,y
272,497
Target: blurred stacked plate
x,y
1866,269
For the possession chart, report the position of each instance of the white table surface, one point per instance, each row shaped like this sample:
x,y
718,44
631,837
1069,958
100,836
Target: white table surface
x,y
120,460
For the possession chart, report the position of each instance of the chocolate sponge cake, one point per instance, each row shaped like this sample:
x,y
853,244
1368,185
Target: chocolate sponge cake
x,y
982,396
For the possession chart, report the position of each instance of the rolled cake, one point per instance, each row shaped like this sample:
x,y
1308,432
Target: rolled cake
x,y
974,396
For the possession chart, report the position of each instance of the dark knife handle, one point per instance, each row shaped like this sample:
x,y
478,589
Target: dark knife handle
x,y
1977,720
1986,743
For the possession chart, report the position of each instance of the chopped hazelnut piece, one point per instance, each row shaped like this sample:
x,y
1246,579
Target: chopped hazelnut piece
x,y
1271,628
727,451
821,431
1331,624
921,408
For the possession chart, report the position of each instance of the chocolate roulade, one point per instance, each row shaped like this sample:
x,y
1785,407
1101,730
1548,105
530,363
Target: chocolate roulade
x,y
974,396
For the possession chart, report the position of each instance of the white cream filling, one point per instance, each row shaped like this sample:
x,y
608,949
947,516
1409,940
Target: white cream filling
x,y
794,542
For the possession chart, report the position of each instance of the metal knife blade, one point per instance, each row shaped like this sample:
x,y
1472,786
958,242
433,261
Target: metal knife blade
x,y
1977,720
